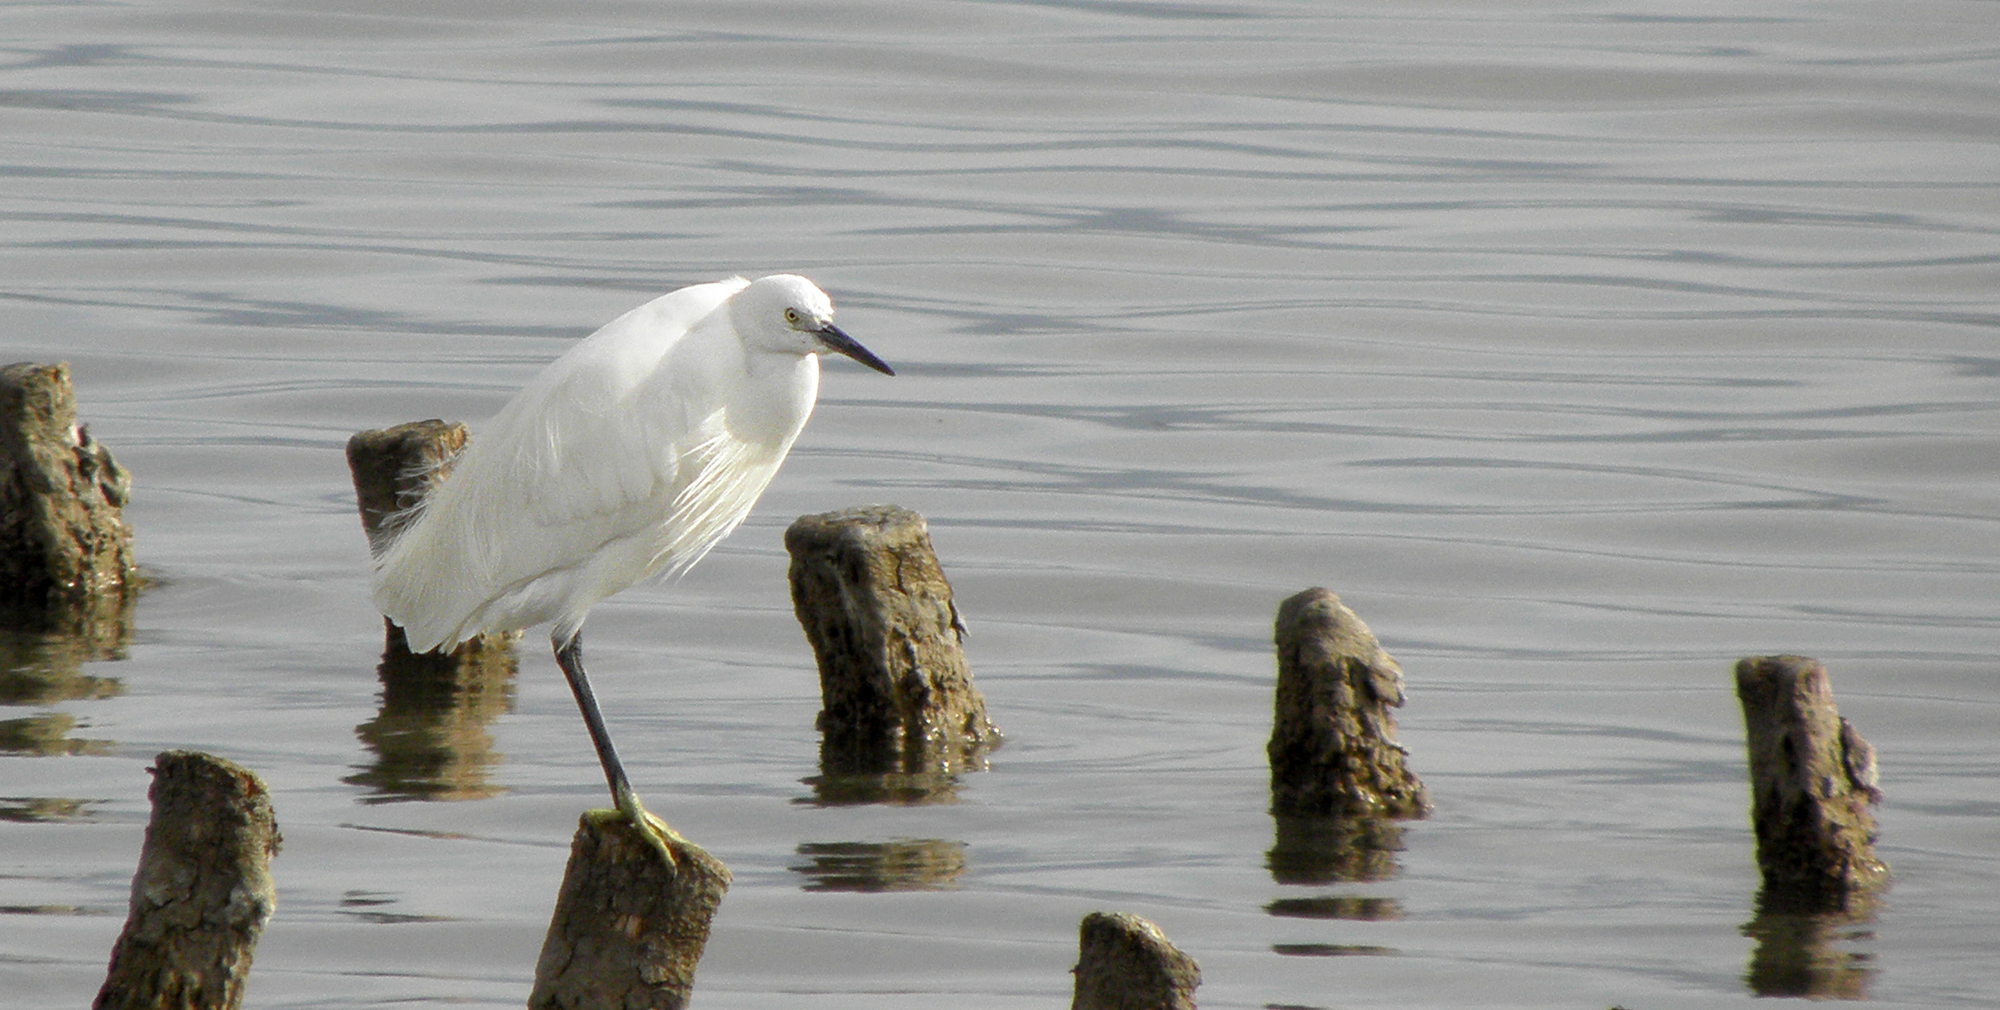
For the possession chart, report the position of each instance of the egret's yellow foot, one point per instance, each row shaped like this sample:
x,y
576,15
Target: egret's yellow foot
x,y
654,830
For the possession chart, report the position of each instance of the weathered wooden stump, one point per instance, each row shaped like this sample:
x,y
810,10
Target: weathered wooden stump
x,y
393,468
1812,781
628,928
1126,963
64,545
1333,746
203,891
896,695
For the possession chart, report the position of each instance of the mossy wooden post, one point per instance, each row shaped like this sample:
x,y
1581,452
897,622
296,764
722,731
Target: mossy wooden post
x,y
392,469
896,693
64,545
203,891
1812,781
1126,963
628,928
1333,746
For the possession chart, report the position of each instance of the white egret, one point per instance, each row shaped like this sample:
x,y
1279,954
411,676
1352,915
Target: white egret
x,y
629,456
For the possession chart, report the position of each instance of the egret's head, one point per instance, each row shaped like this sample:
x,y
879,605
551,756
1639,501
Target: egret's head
x,y
786,312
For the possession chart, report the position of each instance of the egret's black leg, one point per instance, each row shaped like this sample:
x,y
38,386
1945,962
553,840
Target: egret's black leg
x,y
569,656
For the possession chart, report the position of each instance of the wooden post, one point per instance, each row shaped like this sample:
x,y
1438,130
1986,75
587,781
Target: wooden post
x,y
203,891
1333,746
1126,963
393,468
64,544
628,928
897,696
1812,781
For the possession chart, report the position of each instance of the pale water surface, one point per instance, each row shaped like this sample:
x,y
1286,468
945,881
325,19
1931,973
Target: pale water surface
x,y
1582,347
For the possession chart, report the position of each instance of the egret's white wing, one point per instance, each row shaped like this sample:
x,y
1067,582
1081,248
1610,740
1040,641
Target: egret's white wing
x,y
564,496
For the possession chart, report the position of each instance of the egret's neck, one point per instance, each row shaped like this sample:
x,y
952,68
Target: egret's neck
x,y
780,391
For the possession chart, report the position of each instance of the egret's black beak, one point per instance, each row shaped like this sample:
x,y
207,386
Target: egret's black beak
x,y
835,340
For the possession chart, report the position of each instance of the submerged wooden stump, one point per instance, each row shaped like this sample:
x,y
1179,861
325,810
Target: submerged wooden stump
x,y
393,468
1812,781
896,694
628,928
1333,746
64,544
1126,963
203,891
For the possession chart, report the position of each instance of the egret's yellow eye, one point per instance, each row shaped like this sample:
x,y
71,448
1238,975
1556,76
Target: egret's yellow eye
x,y
792,316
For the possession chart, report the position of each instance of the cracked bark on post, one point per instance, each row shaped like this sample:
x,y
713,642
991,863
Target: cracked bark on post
x,y
203,891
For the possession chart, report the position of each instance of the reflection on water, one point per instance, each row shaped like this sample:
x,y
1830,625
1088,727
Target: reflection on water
x,y
42,652
902,864
370,906
40,666
1315,849
1809,953
1319,849
42,809
1329,950
1336,906
429,737
896,774
46,735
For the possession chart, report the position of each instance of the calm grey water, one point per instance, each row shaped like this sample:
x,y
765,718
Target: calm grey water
x,y
1583,348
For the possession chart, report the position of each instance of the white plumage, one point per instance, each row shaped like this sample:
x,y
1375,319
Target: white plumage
x,y
629,456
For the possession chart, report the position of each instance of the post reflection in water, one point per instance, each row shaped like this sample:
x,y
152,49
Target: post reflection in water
x,y
42,809
1336,906
429,739
1807,952
1321,849
1326,849
891,772
42,652
902,864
